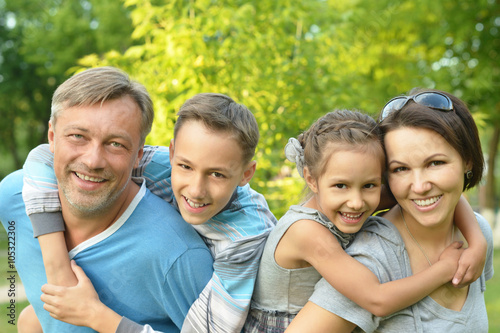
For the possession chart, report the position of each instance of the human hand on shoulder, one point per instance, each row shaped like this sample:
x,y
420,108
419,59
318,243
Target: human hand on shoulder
x,y
470,265
450,257
79,305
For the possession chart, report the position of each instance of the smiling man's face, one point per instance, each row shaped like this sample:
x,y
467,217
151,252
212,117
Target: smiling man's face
x,y
95,149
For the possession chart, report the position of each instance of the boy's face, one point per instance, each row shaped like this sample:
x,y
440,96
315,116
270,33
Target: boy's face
x,y
207,167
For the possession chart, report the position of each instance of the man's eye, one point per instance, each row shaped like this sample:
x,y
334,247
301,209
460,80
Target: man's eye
x,y
116,144
77,136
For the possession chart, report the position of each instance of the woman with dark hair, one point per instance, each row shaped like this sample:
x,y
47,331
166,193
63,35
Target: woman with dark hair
x,y
433,154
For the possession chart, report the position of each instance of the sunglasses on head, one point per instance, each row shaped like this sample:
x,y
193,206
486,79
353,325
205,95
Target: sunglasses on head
x,y
430,99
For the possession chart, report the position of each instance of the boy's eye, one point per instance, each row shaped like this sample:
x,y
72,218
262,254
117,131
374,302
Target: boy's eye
x,y
341,186
370,185
218,175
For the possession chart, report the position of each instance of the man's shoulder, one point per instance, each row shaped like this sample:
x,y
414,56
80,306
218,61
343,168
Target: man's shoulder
x,y
11,200
10,187
12,182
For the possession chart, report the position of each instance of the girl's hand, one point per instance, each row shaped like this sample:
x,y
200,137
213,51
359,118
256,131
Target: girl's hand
x,y
470,265
77,305
451,256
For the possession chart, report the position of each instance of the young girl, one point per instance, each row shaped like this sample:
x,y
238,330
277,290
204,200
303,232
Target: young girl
x,y
342,160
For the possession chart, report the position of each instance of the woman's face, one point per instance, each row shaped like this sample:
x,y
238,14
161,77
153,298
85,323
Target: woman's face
x,y
426,174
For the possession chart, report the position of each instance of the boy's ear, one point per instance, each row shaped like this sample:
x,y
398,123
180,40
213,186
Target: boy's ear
x,y
248,173
310,180
171,150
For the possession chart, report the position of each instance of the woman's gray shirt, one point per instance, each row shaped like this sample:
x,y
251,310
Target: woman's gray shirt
x,y
379,246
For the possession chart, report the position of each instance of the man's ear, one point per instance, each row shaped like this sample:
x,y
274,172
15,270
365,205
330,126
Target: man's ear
x,y
248,173
51,136
140,153
310,180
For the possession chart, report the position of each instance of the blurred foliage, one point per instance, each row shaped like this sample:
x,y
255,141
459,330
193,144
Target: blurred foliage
x,y
288,61
40,43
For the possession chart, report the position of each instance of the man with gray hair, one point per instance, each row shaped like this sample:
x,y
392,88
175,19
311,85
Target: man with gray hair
x,y
144,261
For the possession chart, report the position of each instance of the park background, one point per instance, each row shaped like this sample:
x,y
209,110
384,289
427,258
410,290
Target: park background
x,y
289,61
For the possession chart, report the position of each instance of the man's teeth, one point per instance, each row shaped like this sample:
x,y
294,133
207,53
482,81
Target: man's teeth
x,y
427,202
193,204
352,216
92,179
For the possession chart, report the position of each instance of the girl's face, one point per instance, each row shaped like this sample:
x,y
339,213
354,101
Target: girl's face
x,y
348,192
426,174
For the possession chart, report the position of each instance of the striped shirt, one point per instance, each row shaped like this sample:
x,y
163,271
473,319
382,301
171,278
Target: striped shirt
x,y
235,237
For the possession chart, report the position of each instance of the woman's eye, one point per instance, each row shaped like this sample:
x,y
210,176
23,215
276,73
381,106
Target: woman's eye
x,y
399,169
436,163
184,166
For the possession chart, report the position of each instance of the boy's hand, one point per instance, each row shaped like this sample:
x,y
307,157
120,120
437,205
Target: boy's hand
x,y
76,305
470,265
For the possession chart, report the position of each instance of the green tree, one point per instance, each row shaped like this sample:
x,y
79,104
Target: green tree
x,y
40,42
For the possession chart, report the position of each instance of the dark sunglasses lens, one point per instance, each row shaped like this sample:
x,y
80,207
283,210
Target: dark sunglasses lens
x,y
393,105
434,101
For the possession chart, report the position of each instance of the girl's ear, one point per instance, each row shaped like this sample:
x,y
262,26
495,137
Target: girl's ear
x,y
310,180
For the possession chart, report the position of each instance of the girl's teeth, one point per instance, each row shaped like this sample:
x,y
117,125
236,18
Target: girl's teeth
x,y
352,216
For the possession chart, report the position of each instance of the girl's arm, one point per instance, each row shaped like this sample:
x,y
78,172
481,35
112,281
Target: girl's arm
x,y
471,263
313,243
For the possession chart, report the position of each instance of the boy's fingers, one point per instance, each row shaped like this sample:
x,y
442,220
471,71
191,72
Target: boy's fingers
x,y
79,273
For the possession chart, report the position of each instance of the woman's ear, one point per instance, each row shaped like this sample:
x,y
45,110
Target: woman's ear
x,y
310,180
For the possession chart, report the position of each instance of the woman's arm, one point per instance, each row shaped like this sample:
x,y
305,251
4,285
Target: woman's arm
x,y
317,246
471,263
314,319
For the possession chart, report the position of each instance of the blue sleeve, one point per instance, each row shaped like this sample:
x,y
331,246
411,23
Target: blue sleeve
x,y
155,168
185,281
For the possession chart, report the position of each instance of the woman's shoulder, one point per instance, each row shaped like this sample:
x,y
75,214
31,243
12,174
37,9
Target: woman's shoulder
x,y
377,231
